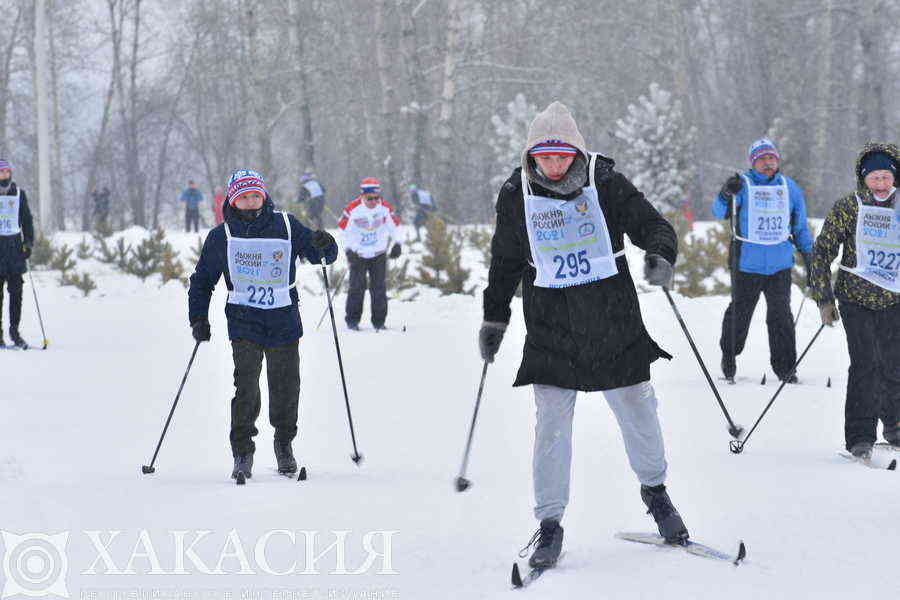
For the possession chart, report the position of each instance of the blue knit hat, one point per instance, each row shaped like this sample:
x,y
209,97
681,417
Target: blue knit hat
x,y
877,161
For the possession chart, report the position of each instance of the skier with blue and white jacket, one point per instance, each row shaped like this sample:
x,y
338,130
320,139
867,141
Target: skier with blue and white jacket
x,y
768,218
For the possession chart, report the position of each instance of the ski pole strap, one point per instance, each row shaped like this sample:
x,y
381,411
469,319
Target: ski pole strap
x,y
737,446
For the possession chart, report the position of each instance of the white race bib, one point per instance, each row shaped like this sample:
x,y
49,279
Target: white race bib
x,y
877,246
260,270
315,190
768,213
9,214
569,239
425,198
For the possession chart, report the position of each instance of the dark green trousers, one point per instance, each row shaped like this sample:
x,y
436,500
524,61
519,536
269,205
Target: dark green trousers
x,y
283,376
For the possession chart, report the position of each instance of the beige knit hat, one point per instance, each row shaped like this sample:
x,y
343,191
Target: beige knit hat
x,y
553,123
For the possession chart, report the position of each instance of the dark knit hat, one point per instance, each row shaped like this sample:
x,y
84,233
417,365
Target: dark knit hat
x,y
877,161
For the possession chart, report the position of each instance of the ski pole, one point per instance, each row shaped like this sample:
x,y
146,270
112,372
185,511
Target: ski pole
x,y
737,446
356,457
733,429
38,307
800,310
325,312
146,469
462,484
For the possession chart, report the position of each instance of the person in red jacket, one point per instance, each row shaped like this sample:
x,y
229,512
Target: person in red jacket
x,y
218,202
369,226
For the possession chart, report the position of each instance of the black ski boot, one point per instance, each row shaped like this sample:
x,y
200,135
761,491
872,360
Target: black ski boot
x,y
862,450
792,378
729,367
2,341
17,339
243,466
667,518
284,454
891,434
352,326
547,542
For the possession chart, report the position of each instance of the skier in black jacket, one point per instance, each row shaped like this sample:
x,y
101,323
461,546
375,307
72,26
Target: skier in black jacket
x,y
561,221
16,239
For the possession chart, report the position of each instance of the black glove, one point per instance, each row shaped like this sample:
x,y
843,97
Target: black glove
x,y
26,252
352,257
200,331
489,339
395,251
657,270
321,239
731,187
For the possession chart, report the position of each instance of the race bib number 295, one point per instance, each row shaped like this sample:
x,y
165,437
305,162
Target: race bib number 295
x,y
572,265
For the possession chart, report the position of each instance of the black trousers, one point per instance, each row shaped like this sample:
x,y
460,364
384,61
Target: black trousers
x,y
873,385
375,270
283,376
192,216
15,300
780,322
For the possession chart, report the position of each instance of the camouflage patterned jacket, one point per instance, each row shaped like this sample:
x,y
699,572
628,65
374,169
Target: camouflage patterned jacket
x,y
840,229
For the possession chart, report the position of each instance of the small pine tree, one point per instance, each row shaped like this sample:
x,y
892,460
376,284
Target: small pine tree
x,y
82,282
441,266
658,148
42,251
480,240
171,268
62,259
198,250
702,260
84,250
511,135
399,281
117,255
149,255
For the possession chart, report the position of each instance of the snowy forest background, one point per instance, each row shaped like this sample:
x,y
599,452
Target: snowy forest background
x,y
148,94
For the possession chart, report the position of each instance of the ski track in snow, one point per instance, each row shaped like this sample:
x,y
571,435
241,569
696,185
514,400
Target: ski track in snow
x,y
83,417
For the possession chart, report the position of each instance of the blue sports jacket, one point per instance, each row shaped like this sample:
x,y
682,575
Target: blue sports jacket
x,y
757,258
272,327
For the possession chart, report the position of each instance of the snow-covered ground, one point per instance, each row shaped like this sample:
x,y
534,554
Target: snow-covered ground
x,y
82,417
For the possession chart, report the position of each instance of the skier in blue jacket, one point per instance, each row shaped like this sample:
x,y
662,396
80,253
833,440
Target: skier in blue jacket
x,y
256,249
768,218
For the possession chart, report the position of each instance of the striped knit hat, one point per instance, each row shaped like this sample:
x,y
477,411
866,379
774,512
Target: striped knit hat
x,y
242,181
553,148
5,164
370,185
760,148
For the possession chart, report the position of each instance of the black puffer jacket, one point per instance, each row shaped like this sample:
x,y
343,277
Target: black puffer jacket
x,y
12,259
588,337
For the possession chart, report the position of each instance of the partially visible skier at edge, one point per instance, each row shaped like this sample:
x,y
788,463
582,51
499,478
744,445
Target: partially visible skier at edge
x,y
561,221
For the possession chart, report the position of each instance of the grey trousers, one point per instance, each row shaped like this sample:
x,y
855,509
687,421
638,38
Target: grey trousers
x,y
635,410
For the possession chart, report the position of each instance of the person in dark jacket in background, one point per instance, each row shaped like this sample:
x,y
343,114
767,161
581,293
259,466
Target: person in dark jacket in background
x,y
192,198
16,240
101,208
424,204
256,249
866,224
561,222
313,195
770,211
